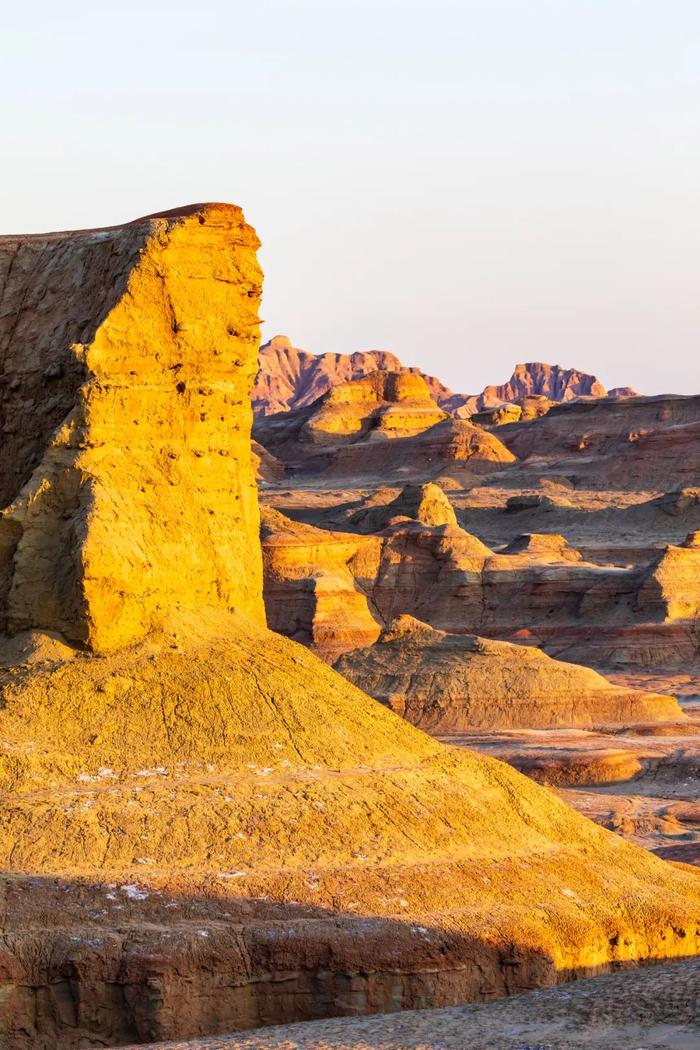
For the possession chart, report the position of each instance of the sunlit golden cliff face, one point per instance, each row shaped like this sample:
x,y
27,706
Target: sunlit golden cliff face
x,y
128,359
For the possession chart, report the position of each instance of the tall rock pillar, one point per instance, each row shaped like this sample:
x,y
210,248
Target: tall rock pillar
x,y
127,356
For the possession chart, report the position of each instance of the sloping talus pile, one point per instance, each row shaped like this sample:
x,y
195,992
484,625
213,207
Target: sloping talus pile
x,y
204,828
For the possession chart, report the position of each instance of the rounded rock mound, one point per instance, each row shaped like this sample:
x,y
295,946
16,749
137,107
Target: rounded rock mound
x,y
452,683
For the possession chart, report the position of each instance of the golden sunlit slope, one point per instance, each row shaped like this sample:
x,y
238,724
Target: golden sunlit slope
x,y
217,745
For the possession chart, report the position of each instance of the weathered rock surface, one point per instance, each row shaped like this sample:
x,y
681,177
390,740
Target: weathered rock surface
x,y
377,406
448,578
640,443
120,364
203,827
433,448
290,378
313,583
427,504
671,589
266,466
551,381
450,683
262,818
655,1008
532,406
607,616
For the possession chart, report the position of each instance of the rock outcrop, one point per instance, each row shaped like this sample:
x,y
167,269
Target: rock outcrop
x,y
671,588
532,406
267,467
427,504
289,378
313,583
534,387
634,444
551,381
452,683
447,577
125,409
419,446
656,1006
197,819
202,826
377,406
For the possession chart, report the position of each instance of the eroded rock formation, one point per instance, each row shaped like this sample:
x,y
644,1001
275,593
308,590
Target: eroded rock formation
x,y
427,504
377,406
639,443
125,408
551,381
290,378
348,441
453,683
671,588
202,826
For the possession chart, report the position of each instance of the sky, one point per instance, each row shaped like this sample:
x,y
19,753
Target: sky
x,y
468,183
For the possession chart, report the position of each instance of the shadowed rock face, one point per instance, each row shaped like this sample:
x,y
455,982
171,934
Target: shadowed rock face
x,y
671,589
641,443
359,446
654,1007
447,577
120,365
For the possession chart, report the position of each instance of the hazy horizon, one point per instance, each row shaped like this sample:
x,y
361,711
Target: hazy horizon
x,y
469,187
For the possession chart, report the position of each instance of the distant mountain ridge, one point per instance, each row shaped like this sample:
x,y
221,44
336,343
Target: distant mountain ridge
x,y
290,378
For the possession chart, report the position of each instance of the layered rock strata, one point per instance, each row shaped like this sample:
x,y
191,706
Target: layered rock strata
x,y
380,405
290,378
440,574
449,446
426,503
453,683
642,443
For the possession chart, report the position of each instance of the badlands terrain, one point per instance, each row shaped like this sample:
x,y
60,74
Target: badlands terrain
x,y
524,582
315,747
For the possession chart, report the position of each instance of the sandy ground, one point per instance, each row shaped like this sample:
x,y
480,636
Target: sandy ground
x,y
654,1007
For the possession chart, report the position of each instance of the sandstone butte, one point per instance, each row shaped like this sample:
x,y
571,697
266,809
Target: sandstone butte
x,y
203,827
379,405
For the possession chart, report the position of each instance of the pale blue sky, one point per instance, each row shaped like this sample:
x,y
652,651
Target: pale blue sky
x,y
468,183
